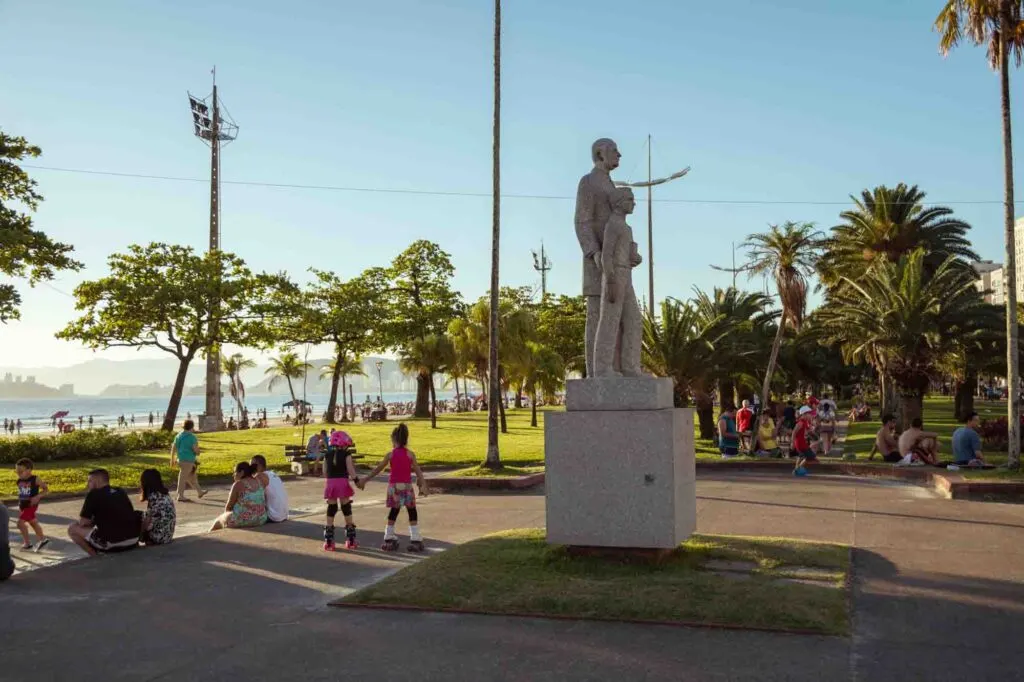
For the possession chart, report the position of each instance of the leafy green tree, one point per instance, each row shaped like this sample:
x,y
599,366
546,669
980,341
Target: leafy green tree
x,y
469,342
350,315
561,325
999,24
426,357
543,372
788,254
287,366
886,224
343,366
24,252
898,318
159,296
421,303
683,344
232,366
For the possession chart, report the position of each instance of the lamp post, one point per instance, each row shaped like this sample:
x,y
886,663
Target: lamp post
x,y
380,382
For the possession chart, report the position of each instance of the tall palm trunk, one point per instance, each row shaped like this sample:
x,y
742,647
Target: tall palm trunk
x,y
1010,271
465,391
344,399
433,403
422,396
291,390
493,457
533,408
772,359
332,401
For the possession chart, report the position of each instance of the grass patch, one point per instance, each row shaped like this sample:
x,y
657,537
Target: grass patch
x,y
503,472
517,572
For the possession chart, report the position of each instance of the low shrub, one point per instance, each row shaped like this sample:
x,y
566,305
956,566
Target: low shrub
x,y
85,444
995,433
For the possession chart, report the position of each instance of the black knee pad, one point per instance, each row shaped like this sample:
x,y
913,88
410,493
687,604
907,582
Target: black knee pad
x,y
346,509
332,509
393,514
413,516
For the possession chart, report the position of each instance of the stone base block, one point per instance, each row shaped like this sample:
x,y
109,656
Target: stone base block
x,y
210,423
618,393
620,478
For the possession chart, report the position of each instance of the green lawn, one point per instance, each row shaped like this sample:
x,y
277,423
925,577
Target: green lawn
x,y
517,572
479,471
938,417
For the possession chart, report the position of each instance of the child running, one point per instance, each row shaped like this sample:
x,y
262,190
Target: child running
x,y
400,493
803,449
338,469
31,489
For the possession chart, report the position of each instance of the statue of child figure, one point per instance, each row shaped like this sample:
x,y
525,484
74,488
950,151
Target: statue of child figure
x,y
619,330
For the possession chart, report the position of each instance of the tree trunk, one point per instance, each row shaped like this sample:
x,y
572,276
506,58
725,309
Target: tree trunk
x,y
501,411
772,359
179,386
1010,270
493,459
291,391
519,397
533,408
726,392
465,391
344,399
332,402
352,401
433,403
705,415
422,396
911,407
963,395
458,400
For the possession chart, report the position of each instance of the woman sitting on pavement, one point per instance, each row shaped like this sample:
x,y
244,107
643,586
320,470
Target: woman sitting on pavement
x,y
767,436
159,519
247,503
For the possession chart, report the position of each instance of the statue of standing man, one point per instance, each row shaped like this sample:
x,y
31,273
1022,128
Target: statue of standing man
x,y
593,209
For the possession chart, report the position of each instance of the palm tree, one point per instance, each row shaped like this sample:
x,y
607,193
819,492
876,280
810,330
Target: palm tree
x,y
287,366
996,23
787,254
887,224
493,459
428,356
542,371
680,343
744,349
898,318
516,326
232,367
343,366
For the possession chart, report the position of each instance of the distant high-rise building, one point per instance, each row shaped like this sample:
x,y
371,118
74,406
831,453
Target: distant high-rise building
x,y
990,281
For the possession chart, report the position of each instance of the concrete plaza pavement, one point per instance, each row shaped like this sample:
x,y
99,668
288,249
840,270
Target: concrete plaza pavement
x,y
938,594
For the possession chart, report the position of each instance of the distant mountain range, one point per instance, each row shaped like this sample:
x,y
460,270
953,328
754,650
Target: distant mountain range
x,y
145,378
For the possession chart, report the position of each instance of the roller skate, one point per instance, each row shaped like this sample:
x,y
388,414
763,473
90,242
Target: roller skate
x,y
415,546
390,545
350,537
328,538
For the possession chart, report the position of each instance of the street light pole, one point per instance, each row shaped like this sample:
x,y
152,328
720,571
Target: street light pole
x,y
380,381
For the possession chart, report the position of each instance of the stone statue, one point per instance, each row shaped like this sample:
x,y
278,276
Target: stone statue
x,y
593,208
619,329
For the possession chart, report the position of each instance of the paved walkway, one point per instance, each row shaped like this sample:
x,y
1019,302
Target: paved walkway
x,y
938,595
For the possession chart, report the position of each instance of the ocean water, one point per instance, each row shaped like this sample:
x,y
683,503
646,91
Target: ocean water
x,y
36,414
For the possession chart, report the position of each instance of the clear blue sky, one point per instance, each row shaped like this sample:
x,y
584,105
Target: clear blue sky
x,y
803,101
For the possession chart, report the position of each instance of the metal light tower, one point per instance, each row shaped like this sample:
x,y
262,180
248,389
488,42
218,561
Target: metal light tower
x,y
542,264
215,128
650,218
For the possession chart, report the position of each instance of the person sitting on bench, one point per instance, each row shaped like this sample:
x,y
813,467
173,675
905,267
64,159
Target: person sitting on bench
x,y
918,446
967,443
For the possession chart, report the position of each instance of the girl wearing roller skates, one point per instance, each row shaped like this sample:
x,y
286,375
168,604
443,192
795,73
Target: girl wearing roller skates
x,y
338,469
400,492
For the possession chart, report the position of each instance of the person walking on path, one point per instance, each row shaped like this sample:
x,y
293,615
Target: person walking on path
x,y
400,492
31,489
185,454
160,516
247,503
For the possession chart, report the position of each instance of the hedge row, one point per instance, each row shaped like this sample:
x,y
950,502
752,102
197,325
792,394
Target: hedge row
x,y
86,444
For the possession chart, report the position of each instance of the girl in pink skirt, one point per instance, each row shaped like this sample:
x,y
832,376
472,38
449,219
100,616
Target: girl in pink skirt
x,y
338,469
400,491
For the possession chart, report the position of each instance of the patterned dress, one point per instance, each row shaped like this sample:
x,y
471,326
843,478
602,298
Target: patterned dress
x,y
162,517
251,508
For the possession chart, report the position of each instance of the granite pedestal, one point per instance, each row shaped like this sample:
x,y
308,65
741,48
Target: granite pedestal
x,y
619,466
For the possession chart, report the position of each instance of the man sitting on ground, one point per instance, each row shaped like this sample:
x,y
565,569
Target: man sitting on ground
x,y
108,521
967,443
886,443
918,446
277,496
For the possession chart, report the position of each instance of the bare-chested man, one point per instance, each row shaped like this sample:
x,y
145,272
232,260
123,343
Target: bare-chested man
x,y
917,445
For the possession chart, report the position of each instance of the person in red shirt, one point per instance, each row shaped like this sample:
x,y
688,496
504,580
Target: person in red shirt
x,y
803,448
744,424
